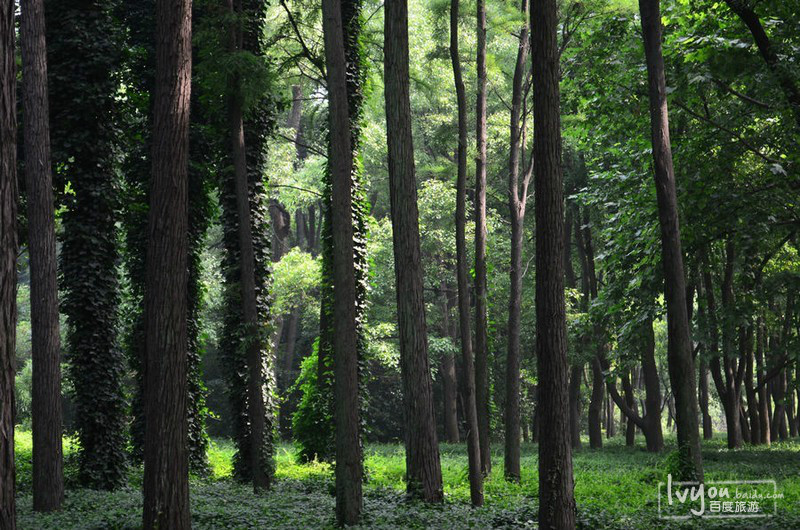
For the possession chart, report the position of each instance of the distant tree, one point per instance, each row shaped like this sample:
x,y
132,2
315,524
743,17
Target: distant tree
x,y
8,262
48,474
556,498
166,466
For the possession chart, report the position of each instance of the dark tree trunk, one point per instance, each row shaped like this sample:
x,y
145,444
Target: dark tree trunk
x,y
763,396
166,466
345,337
732,395
575,405
8,261
679,348
424,473
746,340
462,274
48,478
611,427
448,371
481,320
516,202
556,497
630,427
596,406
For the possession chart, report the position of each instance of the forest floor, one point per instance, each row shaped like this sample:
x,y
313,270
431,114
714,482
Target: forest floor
x,y
616,487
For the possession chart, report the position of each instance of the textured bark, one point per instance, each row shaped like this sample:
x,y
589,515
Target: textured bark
x,y
256,409
679,348
48,476
732,395
423,470
556,497
166,466
516,202
349,471
596,406
481,319
462,274
8,261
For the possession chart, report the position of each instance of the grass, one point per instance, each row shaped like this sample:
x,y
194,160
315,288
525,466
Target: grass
x,y
615,488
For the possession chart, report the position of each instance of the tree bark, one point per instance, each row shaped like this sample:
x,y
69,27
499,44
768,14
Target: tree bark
x,y
424,473
166,473
556,497
516,202
448,371
462,273
679,348
763,396
596,406
630,426
746,344
575,405
481,320
349,471
48,477
8,261
708,428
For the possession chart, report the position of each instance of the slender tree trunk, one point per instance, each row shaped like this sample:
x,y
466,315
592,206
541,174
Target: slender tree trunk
x,y
732,387
596,406
423,470
708,428
763,396
166,466
345,337
448,371
516,204
679,348
611,427
575,405
8,261
48,478
481,320
556,498
746,337
462,274
630,427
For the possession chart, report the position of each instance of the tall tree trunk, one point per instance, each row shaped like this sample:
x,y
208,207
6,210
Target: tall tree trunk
x,y
708,428
763,396
575,405
48,477
448,371
630,427
462,274
345,337
746,340
8,261
556,497
481,320
611,427
596,406
679,348
516,202
729,359
166,466
424,473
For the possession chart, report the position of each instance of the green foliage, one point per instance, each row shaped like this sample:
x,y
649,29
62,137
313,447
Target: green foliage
x,y
312,421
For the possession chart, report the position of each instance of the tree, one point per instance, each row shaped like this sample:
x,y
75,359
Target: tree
x,y
48,475
84,57
423,470
8,261
517,200
462,275
679,348
166,468
345,338
556,500
481,319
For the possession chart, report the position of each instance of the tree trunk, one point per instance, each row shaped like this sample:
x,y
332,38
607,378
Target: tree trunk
x,y
424,473
763,396
732,387
575,405
462,274
596,406
611,427
630,427
345,337
556,498
48,478
448,371
708,428
481,319
166,466
746,340
8,261
516,204
679,349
